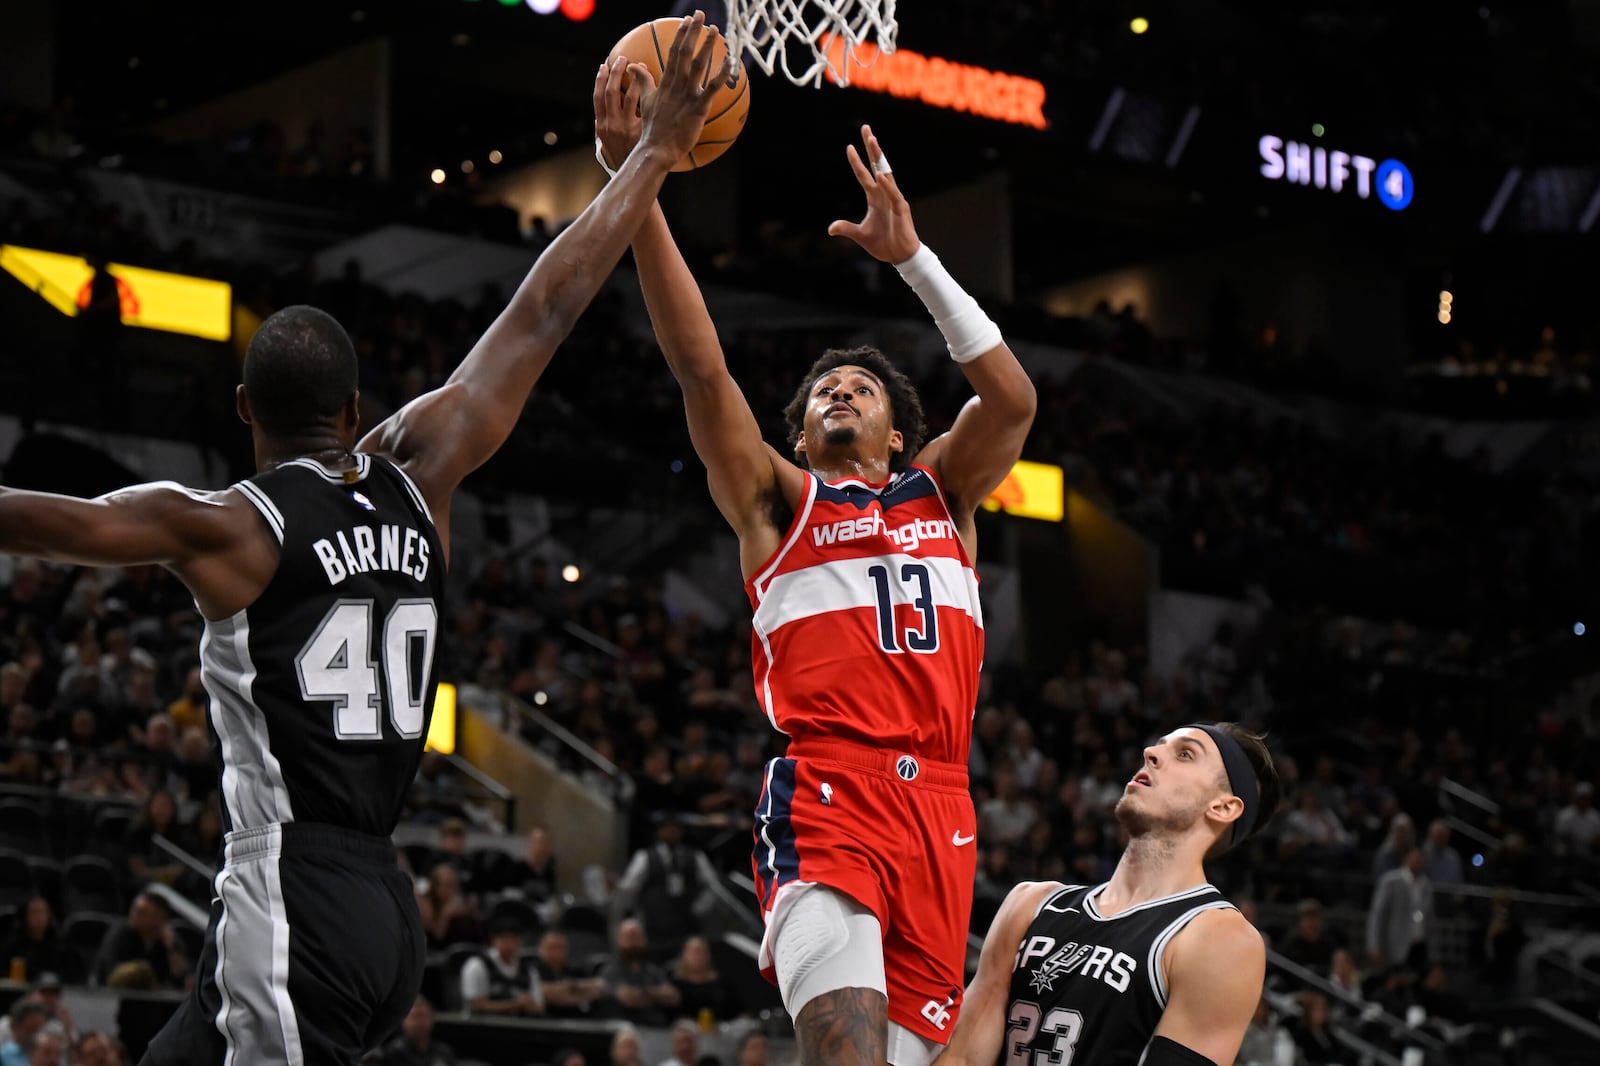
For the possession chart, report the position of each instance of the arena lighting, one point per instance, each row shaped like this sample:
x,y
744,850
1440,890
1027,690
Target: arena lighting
x,y
442,727
495,156
1139,25
437,176
545,7
577,10
570,573
940,83
1336,171
151,299
1031,490
1579,629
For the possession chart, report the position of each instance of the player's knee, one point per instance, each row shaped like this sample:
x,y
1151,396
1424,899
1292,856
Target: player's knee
x,y
827,942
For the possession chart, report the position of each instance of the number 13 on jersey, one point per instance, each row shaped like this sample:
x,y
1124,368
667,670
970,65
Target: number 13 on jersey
x,y
340,664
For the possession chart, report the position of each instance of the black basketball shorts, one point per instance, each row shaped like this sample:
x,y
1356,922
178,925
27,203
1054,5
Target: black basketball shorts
x,y
314,953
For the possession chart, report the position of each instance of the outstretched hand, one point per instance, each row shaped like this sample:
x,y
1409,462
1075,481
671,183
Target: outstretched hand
x,y
886,232
617,122
669,116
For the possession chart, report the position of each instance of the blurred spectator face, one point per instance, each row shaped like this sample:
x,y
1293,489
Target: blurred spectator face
x,y
453,838
625,1048
1414,861
13,680
84,729
444,883
569,1058
1439,835
1404,831
27,1021
146,917
753,1050
631,941
553,951
685,1042
507,943
1343,967
38,917
160,733
141,687
94,1049
418,1025
1310,922
670,832
696,955
194,748
46,1051
539,846
160,810
22,721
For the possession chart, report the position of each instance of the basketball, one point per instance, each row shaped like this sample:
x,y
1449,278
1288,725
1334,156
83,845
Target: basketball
x,y
649,44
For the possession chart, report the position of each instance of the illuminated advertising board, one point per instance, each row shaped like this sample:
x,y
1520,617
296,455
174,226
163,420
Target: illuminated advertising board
x,y
1336,171
152,299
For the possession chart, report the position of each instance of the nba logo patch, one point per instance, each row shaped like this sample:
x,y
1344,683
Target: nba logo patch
x,y
907,768
362,501
827,794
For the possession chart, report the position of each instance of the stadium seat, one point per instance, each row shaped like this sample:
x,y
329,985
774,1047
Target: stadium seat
x,y
90,883
110,827
16,879
521,912
22,827
456,957
46,879
85,933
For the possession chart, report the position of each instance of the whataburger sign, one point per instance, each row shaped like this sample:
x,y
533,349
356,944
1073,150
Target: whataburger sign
x,y
153,299
940,82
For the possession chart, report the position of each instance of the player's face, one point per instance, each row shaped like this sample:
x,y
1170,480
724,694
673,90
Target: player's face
x,y
849,409
1178,781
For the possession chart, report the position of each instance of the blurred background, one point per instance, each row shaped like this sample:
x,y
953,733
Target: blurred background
x,y
1307,293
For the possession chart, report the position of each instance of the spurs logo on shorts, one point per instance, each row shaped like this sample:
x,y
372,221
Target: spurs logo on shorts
x,y
907,768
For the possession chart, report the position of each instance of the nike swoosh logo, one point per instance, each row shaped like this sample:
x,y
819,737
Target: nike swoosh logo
x,y
958,840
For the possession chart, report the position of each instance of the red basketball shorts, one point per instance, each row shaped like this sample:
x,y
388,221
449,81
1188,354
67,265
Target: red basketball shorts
x,y
893,832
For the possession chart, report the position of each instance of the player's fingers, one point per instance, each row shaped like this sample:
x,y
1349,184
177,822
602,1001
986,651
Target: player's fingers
x,y
863,175
702,58
681,54
724,75
600,93
842,228
614,73
640,85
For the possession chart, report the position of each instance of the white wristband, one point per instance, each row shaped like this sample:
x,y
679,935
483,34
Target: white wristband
x,y
600,157
968,332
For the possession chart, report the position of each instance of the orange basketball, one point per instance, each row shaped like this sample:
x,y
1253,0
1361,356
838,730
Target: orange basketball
x,y
649,44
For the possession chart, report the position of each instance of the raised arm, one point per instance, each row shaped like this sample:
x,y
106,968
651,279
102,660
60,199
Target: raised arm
x,y
195,534
742,470
986,439
981,1028
443,436
1215,970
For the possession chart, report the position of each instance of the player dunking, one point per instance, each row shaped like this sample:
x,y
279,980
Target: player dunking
x,y
868,635
1154,966
320,580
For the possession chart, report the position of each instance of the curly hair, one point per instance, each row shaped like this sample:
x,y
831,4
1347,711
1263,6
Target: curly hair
x,y
905,406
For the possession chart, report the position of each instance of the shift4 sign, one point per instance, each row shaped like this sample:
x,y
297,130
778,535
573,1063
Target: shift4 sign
x,y
1336,171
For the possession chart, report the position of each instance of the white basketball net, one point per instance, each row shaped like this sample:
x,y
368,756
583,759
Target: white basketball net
x,y
825,35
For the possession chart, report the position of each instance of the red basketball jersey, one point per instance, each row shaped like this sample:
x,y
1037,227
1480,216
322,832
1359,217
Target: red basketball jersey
x,y
867,626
